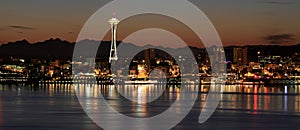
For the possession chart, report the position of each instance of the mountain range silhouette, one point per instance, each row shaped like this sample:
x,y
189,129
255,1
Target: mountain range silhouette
x,y
64,49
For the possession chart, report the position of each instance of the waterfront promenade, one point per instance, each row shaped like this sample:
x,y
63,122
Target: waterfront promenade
x,y
30,81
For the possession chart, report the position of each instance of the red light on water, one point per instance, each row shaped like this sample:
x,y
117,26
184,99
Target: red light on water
x,y
255,76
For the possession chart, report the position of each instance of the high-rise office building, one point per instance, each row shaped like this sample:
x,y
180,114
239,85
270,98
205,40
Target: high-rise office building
x,y
149,55
240,56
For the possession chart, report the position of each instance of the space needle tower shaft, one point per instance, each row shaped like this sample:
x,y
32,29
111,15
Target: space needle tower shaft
x,y
113,50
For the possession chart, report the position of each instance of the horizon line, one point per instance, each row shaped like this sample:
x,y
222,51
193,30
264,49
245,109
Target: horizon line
x,y
119,41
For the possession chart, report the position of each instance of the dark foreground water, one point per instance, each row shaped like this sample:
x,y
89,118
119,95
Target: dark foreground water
x,y
241,107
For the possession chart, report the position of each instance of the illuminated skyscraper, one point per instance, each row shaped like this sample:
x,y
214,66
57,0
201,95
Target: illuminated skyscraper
x,y
149,55
113,50
218,59
240,56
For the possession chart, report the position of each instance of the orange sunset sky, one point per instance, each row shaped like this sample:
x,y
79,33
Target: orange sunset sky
x,y
238,22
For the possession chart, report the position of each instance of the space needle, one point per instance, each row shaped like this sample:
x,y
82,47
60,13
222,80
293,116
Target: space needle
x,y
113,49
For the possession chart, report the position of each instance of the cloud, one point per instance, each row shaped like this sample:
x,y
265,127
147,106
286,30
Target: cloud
x,y
21,27
280,38
278,2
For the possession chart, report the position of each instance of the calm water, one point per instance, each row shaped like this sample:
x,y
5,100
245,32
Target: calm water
x,y
57,107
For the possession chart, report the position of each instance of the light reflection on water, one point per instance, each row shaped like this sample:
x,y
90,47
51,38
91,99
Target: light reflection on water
x,y
250,97
258,89
19,103
133,100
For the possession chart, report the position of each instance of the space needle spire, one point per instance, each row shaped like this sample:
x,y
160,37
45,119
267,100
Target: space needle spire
x,y
113,50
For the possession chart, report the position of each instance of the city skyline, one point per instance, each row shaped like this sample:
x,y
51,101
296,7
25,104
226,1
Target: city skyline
x,y
149,64
257,22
